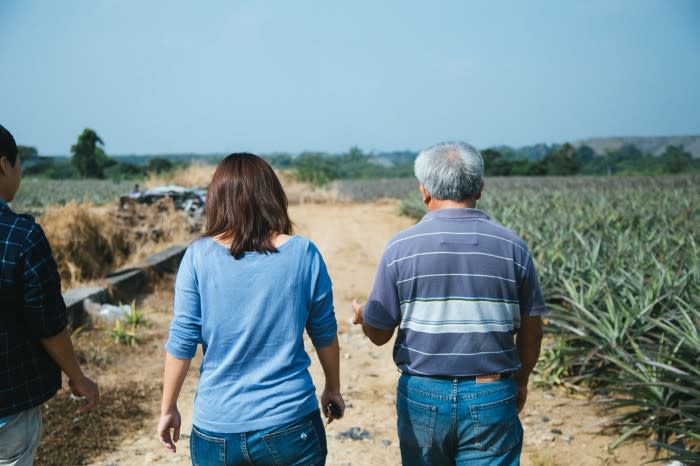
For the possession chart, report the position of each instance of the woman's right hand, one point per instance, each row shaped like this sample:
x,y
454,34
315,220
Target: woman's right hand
x,y
169,420
335,398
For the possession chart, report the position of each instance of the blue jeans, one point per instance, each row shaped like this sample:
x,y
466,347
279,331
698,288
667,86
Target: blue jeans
x,y
457,422
301,442
19,438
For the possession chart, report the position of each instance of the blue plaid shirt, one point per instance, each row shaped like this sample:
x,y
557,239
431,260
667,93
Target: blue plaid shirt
x,y
31,308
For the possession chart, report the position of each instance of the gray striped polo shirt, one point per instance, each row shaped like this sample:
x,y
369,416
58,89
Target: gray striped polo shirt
x,y
456,284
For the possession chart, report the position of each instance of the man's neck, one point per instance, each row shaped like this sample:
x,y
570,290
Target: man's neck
x,y
436,204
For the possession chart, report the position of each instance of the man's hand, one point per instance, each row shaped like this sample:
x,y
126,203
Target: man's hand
x,y
169,420
86,388
358,309
528,341
377,336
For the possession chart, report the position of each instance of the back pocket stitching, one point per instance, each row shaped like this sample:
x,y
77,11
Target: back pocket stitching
x,y
431,423
475,419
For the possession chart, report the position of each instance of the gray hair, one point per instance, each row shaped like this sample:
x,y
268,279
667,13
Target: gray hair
x,y
450,171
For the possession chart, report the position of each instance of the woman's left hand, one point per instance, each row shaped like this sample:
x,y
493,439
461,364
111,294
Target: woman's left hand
x,y
169,420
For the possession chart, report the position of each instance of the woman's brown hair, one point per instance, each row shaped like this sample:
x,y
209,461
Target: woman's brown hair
x,y
246,204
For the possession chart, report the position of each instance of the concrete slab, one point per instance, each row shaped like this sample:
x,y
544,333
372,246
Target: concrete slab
x,y
123,285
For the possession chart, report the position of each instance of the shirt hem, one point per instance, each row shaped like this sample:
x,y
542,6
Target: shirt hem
x,y
258,424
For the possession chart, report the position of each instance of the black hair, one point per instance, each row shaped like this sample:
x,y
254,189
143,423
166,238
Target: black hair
x,y
8,147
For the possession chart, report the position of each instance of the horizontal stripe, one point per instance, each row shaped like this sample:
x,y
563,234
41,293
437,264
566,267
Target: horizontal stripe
x,y
412,256
460,316
481,353
458,234
461,298
439,287
454,275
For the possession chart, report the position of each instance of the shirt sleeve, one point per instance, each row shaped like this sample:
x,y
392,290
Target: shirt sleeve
x,y
321,324
382,310
531,299
44,308
186,326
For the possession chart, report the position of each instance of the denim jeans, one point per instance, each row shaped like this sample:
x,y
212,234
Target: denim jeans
x,y
445,421
19,438
301,442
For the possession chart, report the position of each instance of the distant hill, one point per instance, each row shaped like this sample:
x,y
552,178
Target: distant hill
x,y
648,145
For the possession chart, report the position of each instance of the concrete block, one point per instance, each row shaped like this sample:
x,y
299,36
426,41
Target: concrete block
x,y
123,285
74,299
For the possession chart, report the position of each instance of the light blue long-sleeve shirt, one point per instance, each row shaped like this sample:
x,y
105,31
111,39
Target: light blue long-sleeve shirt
x,y
250,315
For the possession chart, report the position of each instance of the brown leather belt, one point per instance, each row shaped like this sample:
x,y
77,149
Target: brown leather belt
x,y
485,378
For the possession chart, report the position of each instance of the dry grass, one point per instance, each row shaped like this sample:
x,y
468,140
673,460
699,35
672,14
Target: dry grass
x,y
88,242
195,175
199,175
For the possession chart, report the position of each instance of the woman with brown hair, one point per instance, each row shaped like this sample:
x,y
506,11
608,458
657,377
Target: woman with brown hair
x,y
245,291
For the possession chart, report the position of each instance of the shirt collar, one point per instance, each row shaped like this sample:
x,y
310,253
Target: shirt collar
x,y
4,204
456,213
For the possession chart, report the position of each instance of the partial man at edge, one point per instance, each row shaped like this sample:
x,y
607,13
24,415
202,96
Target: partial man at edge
x,y
34,342
464,294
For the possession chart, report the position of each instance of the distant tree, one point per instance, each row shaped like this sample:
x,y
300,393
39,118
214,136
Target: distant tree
x,y
281,160
159,165
316,168
675,159
355,154
585,154
27,152
495,164
562,161
88,157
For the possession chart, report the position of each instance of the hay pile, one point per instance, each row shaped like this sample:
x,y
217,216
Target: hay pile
x,y
88,242
194,175
199,175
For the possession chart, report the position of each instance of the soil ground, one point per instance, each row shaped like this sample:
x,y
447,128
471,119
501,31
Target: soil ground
x,y
559,430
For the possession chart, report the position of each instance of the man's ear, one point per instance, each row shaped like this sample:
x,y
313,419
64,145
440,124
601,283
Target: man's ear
x,y
4,165
478,195
426,195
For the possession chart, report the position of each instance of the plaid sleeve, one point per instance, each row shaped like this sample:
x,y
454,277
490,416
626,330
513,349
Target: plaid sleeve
x,y
44,308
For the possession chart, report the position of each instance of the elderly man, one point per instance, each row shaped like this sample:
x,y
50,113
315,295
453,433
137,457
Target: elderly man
x,y
464,293
34,343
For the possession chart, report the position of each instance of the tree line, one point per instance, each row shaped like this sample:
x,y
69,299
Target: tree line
x,y
89,160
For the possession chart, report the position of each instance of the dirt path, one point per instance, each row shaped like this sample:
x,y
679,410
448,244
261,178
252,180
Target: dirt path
x,y
558,429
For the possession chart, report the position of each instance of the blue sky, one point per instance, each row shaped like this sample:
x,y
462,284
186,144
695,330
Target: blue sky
x,y
265,76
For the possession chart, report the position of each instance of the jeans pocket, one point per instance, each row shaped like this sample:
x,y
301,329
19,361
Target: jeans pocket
x,y
496,425
416,421
300,444
207,450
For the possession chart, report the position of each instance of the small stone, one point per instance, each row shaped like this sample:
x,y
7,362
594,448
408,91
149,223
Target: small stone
x,y
557,422
346,355
556,431
354,433
386,442
548,396
567,438
545,419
